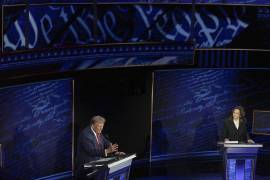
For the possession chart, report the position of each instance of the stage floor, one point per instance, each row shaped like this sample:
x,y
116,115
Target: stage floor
x,y
193,177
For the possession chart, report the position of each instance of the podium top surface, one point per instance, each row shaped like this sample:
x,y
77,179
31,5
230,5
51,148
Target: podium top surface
x,y
239,145
110,161
228,145
128,158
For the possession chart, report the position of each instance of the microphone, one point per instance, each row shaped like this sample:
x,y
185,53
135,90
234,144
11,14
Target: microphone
x,y
92,173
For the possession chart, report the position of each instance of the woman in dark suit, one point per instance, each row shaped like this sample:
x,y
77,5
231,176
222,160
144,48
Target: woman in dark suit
x,y
235,127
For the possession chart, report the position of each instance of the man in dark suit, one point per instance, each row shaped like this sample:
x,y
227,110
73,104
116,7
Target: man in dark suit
x,y
235,127
92,145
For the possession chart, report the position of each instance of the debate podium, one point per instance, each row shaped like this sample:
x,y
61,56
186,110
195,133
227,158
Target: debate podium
x,y
111,168
240,160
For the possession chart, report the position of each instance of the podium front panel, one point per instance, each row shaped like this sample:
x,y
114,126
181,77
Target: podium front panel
x,y
240,161
115,166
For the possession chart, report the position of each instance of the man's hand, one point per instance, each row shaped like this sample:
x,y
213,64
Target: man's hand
x,y
250,141
120,153
112,148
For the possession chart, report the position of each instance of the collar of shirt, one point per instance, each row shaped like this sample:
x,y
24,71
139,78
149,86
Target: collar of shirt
x,y
94,133
236,123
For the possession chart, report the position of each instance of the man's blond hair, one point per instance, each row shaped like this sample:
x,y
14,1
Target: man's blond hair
x,y
97,118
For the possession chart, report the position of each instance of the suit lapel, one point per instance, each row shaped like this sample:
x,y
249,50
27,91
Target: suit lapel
x,y
233,125
100,144
93,137
240,125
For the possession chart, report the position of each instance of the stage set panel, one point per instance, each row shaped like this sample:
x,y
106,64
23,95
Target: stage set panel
x,y
190,107
36,129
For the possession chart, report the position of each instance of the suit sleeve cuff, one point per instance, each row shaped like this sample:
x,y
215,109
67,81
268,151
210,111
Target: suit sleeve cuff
x,y
105,152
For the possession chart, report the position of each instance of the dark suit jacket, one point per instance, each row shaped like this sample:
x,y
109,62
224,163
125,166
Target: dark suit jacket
x,y
234,134
87,147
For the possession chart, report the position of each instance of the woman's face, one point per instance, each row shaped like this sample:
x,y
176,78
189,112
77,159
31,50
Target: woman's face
x,y
236,114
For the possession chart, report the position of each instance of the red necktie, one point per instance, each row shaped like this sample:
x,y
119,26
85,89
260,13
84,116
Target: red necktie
x,y
98,138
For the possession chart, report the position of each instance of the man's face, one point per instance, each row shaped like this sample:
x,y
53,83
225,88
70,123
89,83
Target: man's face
x,y
236,114
97,127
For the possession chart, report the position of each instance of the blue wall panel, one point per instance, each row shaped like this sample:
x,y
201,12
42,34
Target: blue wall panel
x,y
146,1
191,105
36,129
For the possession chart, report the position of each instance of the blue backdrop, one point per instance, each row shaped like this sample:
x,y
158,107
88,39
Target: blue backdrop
x,y
36,129
191,105
69,36
157,1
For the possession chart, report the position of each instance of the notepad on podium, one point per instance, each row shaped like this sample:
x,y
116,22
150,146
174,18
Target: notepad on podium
x,y
231,142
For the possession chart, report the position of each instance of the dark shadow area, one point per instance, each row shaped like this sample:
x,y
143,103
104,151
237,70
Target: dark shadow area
x,y
123,97
20,152
161,143
206,134
255,36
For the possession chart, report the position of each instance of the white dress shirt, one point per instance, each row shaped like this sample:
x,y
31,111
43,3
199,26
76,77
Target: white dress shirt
x,y
236,123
